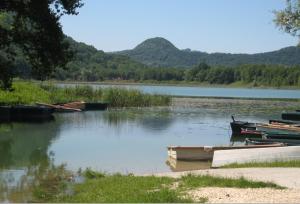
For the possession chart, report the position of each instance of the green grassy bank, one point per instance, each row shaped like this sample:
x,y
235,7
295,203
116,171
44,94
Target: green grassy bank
x,y
117,188
30,93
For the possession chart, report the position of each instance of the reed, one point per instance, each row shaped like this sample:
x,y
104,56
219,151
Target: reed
x,y
30,93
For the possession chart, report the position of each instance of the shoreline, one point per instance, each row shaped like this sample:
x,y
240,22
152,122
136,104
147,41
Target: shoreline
x,y
177,84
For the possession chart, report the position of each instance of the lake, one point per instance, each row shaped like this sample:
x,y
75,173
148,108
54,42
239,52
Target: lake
x,y
127,140
207,91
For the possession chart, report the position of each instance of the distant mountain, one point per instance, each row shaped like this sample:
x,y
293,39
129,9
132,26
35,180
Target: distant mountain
x,y
160,52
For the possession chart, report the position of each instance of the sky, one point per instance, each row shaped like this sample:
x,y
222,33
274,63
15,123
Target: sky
x,y
230,26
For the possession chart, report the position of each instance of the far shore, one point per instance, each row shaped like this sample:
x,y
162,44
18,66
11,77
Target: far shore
x,y
175,83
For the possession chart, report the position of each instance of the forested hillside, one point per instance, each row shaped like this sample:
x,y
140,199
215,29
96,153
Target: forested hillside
x,y
90,64
159,52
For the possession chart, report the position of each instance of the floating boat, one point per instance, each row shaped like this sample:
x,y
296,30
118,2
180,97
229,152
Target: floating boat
x,y
281,122
282,136
237,126
240,156
96,106
263,141
25,113
204,153
279,127
291,116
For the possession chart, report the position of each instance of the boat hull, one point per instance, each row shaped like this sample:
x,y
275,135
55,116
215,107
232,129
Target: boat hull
x,y
240,156
206,153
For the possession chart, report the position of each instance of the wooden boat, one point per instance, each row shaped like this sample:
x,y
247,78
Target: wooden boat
x,y
240,156
74,105
281,122
291,116
237,126
279,127
204,153
58,108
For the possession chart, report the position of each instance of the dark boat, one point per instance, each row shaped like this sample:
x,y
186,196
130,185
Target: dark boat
x,y
272,141
282,136
24,113
291,116
96,106
237,126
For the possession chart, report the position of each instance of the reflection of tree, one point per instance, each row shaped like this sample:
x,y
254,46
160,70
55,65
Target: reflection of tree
x,y
149,119
24,147
6,158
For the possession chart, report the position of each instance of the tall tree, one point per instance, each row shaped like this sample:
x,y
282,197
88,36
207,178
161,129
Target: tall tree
x,y
289,18
33,27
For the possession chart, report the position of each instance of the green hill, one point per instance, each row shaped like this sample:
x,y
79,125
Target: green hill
x,y
160,52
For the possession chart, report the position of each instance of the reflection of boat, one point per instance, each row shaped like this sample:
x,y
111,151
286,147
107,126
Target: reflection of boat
x,y
96,106
240,156
203,153
291,116
176,165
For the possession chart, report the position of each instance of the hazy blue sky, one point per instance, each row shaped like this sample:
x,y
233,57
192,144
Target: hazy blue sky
x,y
235,26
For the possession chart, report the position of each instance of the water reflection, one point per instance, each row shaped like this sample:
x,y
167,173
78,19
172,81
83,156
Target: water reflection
x,y
177,166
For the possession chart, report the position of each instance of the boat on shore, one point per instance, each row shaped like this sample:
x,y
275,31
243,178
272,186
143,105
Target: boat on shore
x,y
76,106
25,113
205,153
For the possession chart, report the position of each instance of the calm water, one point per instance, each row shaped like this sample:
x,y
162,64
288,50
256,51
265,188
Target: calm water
x,y
124,140
209,92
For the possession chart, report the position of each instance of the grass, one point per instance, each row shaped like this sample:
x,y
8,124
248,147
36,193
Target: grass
x,y
194,181
292,163
30,93
116,188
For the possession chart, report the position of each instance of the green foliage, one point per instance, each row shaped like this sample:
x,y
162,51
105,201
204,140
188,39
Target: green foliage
x,y
289,18
125,189
30,93
24,93
194,181
33,27
292,163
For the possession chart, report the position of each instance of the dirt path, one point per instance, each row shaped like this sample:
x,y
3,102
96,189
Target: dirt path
x,y
248,195
286,177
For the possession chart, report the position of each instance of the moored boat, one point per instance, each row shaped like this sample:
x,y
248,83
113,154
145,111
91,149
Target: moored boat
x,y
291,116
204,153
237,126
279,127
259,141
